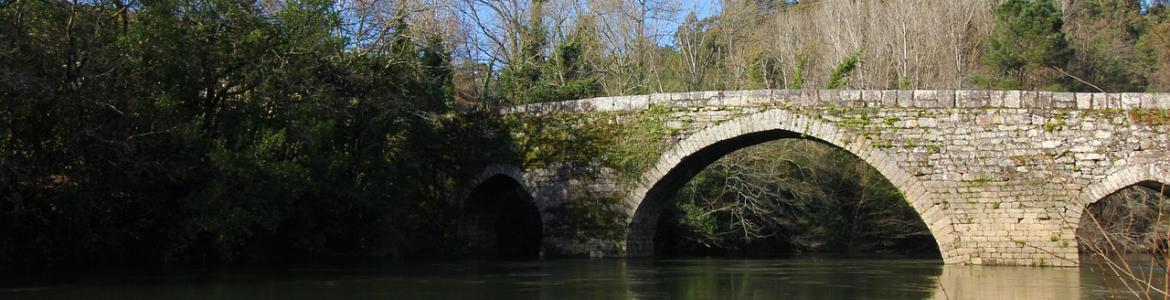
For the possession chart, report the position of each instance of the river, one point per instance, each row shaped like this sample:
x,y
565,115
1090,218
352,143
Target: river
x,y
800,277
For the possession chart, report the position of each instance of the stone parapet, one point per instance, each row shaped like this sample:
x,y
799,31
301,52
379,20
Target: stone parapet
x,y
931,99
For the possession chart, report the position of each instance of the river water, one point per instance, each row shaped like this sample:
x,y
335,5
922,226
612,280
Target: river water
x,y
801,277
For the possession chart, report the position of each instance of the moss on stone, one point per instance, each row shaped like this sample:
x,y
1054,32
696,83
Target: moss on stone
x,y
1151,117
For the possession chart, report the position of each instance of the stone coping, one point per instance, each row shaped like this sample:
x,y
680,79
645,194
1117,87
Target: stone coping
x,y
933,99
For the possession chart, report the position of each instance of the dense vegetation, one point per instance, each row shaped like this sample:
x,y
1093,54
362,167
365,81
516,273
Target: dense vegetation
x,y
202,131
1131,220
792,196
631,47
227,130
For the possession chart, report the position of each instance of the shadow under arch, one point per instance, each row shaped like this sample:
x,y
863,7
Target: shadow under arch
x,y
687,157
500,218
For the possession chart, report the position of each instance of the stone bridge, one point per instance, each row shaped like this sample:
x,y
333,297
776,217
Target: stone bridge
x,y
999,177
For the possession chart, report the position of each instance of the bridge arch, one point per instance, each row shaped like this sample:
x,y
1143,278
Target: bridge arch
x,y
692,154
499,216
1153,176
1148,175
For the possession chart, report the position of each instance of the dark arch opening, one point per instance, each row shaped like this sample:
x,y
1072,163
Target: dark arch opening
x,y
501,220
644,226
1132,220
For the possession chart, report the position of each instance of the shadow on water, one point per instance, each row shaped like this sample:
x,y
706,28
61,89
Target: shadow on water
x,y
800,277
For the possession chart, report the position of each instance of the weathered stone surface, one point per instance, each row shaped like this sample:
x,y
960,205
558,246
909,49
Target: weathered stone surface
x,y
1000,177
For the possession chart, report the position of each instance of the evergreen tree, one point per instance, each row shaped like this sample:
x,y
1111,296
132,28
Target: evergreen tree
x,y
837,78
437,75
524,73
1028,44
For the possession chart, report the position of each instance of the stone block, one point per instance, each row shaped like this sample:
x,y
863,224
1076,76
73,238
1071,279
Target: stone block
x,y
1161,101
905,98
996,98
1012,99
946,98
1084,100
1106,101
660,98
809,98
829,97
793,97
926,99
1131,100
1147,101
850,98
1064,100
1032,99
889,98
972,99
871,98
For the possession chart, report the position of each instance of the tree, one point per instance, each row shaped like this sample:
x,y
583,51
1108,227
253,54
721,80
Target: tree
x,y
1028,44
795,195
700,49
1105,34
837,78
524,71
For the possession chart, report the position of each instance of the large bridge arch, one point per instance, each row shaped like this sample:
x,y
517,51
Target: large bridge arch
x,y
676,166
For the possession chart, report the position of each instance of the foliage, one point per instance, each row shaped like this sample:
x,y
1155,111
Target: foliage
x,y
202,131
764,72
795,195
628,144
1129,219
1027,42
531,78
837,78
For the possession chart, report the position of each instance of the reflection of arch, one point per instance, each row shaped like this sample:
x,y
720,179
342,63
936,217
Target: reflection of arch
x,y
499,216
687,157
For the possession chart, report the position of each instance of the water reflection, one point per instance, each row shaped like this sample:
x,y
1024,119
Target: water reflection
x,y
794,278
1001,282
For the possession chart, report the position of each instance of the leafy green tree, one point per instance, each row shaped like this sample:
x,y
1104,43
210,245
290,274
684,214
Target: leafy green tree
x,y
792,196
1105,33
1153,48
798,72
219,130
1028,45
764,72
524,72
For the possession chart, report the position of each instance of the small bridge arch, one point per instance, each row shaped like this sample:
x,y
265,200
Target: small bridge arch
x,y
499,217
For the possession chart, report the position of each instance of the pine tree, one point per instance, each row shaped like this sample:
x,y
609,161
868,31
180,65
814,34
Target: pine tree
x,y
1028,44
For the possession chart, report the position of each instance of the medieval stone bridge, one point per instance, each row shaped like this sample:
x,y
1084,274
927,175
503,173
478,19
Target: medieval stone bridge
x,y
999,177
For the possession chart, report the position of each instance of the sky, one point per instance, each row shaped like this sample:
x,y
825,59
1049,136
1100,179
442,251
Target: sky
x,y
701,8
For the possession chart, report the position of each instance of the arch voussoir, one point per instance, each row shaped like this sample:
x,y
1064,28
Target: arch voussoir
x,y
1155,172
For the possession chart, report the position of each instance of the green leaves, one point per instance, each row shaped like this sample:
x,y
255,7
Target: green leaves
x,y
837,78
1027,43
798,196
217,130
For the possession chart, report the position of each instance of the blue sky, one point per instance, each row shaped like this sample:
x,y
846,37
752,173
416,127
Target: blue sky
x,y
701,8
